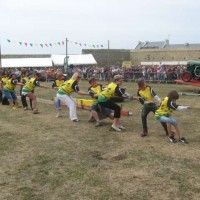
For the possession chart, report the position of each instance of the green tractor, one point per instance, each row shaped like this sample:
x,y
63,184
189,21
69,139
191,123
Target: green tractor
x,y
192,71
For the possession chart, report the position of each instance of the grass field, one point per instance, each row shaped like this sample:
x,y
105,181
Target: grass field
x,y
48,158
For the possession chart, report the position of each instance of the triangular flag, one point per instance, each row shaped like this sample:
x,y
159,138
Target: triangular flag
x,y
31,44
8,40
101,45
20,43
59,43
63,43
25,43
46,45
41,45
85,44
50,44
80,44
93,46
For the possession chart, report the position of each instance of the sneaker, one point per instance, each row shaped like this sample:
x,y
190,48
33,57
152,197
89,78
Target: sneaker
x,y
144,134
122,127
35,111
58,114
172,139
183,140
26,108
98,123
76,120
115,128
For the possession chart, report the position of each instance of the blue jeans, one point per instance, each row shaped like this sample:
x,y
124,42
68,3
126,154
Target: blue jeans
x,y
58,104
168,120
11,95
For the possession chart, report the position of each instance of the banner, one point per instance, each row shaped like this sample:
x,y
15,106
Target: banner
x,y
55,44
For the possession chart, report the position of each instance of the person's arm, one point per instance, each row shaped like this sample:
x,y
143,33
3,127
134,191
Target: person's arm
x,y
155,96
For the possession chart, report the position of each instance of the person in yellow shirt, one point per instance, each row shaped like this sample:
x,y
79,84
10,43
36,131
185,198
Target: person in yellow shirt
x,y
148,99
104,100
163,114
94,90
9,91
64,94
27,91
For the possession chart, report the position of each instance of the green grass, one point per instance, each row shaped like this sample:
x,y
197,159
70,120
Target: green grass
x,y
45,158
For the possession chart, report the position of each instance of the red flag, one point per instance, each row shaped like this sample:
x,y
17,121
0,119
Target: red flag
x,y
26,44
63,43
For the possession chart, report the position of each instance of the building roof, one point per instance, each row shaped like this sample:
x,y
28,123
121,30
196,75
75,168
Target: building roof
x,y
164,45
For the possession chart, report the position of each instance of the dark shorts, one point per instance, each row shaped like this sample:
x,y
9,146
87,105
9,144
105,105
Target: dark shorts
x,y
96,107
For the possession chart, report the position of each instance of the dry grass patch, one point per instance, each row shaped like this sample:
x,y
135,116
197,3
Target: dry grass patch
x,y
45,158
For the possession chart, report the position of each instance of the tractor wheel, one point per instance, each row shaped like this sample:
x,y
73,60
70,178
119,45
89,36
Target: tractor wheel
x,y
186,76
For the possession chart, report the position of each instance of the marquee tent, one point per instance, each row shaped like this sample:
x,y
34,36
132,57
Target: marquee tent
x,y
27,62
84,59
55,60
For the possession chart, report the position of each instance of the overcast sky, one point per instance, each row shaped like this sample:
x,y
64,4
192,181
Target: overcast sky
x,y
122,22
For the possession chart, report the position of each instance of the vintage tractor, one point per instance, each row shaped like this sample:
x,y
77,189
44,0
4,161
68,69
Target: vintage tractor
x,y
192,71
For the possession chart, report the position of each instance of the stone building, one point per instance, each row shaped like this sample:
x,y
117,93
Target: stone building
x,y
147,52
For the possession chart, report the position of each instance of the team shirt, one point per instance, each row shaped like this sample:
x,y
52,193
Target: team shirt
x,y
166,108
30,85
146,97
10,85
95,90
110,91
68,87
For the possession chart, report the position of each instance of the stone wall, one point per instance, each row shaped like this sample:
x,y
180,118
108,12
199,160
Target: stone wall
x,y
153,55
107,57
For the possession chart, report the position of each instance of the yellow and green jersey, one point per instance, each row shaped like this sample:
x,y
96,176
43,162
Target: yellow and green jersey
x,y
166,108
68,87
10,85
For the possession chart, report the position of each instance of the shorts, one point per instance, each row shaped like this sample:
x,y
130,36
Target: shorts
x,y
168,120
11,95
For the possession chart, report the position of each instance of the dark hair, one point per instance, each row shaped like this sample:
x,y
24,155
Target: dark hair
x,y
173,95
141,82
91,79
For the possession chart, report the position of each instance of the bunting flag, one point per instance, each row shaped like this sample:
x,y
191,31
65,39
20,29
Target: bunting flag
x,y
55,44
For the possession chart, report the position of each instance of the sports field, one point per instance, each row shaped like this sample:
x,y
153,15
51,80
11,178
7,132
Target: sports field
x,y
47,158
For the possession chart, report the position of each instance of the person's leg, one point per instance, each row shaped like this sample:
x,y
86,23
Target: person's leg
x,y
71,103
113,106
9,97
58,108
24,102
144,114
1,96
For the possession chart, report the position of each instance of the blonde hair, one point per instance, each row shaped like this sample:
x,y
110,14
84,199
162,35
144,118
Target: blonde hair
x,y
117,77
75,75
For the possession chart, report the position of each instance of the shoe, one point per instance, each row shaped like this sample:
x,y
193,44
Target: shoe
x,y
183,140
35,111
144,134
98,123
76,120
26,108
122,127
58,115
115,128
172,139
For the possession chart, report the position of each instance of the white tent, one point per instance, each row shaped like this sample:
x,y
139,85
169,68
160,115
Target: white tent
x,y
84,59
27,62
